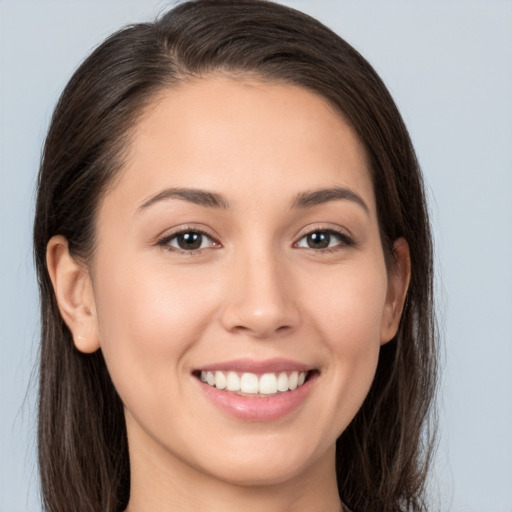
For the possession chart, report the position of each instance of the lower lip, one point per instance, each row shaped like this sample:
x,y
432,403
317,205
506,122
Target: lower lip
x,y
258,408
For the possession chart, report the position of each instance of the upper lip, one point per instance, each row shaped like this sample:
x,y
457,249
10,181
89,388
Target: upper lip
x,y
251,366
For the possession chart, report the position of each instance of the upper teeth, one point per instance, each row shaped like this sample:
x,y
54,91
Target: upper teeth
x,y
266,384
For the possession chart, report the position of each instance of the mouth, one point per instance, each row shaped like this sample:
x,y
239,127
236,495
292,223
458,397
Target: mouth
x,y
257,390
255,385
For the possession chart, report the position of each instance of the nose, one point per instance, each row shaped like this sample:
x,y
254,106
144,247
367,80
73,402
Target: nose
x,y
261,302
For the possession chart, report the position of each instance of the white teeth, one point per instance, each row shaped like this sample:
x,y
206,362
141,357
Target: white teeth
x,y
220,380
266,384
282,382
233,382
249,383
292,381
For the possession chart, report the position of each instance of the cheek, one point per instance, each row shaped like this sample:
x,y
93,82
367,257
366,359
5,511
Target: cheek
x,y
148,317
348,317
350,308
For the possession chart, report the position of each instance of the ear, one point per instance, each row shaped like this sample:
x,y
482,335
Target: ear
x,y
74,294
398,283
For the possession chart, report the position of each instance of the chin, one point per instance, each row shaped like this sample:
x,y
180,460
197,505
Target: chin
x,y
265,467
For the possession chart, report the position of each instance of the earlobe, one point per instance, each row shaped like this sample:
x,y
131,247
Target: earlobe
x,y
74,294
398,284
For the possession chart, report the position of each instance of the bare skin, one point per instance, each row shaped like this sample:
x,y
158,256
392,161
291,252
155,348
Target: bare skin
x,y
273,186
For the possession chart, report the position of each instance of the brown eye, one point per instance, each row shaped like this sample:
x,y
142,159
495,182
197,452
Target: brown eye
x,y
324,239
188,241
318,240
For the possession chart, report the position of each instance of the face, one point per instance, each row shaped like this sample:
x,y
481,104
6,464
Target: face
x,y
240,292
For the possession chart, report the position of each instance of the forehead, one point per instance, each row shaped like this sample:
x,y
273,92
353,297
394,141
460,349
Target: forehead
x,y
231,135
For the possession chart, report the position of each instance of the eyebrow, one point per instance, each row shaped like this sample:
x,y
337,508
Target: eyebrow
x,y
200,197
324,195
213,200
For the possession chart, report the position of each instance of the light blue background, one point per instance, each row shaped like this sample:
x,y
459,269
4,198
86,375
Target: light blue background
x,y
449,66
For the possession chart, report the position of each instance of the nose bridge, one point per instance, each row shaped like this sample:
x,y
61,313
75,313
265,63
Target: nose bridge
x,y
261,300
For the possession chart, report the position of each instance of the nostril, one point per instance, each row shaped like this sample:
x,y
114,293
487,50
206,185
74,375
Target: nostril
x,y
262,330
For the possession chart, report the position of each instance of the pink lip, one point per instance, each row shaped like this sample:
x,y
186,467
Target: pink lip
x,y
258,409
257,367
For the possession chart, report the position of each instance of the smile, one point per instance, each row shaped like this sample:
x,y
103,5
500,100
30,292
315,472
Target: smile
x,y
249,390
251,384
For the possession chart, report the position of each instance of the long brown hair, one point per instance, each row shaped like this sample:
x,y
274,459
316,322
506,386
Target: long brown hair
x,y
384,454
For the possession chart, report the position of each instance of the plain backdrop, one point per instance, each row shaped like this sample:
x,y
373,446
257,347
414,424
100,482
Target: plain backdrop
x,y
448,65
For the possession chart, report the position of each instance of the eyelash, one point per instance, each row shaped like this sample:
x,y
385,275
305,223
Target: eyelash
x,y
165,242
344,240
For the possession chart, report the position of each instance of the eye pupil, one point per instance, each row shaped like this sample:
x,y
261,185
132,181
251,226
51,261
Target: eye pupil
x,y
319,240
189,241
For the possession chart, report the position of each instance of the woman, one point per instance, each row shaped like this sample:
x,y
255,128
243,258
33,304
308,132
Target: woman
x,y
234,259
